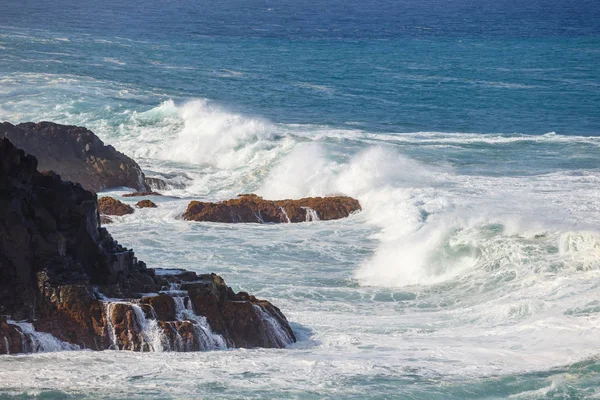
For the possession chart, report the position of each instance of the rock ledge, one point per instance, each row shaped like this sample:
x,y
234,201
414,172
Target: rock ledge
x,y
253,208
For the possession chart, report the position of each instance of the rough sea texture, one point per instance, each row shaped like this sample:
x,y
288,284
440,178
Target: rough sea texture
x,y
469,131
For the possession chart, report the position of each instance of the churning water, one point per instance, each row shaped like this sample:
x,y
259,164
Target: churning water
x,y
473,270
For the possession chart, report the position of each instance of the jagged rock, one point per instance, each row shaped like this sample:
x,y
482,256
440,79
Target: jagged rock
x,y
240,318
58,266
109,206
163,305
140,194
105,219
145,204
182,332
253,208
76,154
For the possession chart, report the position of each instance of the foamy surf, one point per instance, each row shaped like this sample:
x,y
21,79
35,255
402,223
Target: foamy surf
x,y
457,270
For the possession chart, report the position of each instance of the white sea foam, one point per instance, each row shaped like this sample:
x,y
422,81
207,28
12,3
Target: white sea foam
x,y
449,271
38,342
198,132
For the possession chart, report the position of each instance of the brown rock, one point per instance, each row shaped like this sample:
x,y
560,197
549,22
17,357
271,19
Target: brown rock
x,y
163,305
252,208
140,194
109,206
145,204
240,318
76,154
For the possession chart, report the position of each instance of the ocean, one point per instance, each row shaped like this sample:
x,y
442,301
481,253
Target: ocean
x,y
469,131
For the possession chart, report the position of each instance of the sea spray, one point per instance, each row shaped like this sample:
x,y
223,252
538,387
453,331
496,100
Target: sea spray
x,y
145,334
208,339
38,342
202,133
311,215
272,329
285,214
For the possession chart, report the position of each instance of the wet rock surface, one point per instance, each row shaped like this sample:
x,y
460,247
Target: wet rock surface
x,y
76,154
253,208
70,285
140,194
145,204
110,206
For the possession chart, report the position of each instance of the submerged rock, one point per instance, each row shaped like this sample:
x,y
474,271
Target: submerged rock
x,y
145,204
109,206
140,194
253,208
60,273
76,154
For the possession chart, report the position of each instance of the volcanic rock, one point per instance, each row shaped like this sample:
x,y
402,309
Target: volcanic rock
x,y
76,154
60,271
140,194
145,204
109,206
163,305
253,208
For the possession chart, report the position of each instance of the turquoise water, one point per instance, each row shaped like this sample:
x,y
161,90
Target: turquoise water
x,y
470,134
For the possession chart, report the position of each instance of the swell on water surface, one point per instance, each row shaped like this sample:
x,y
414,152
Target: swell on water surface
x,y
437,219
487,243
473,270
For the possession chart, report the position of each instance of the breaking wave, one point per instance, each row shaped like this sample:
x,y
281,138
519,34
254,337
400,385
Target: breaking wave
x,y
436,219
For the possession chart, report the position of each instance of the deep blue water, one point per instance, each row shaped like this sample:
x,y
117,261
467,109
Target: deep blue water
x,y
395,66
468,130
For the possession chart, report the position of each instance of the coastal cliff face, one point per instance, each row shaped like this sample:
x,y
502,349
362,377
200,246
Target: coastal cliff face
x,y
70,285
76,154
253,208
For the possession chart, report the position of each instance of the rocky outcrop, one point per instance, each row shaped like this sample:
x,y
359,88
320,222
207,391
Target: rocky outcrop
x,y
140,194
253,208
145,204
60,273
76,154
109,206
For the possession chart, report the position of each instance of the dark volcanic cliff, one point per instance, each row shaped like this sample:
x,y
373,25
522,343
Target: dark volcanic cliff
x,y
58,269
76,154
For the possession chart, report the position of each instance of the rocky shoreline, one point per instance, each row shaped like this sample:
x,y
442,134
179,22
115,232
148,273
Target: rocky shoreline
x,y
66,284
